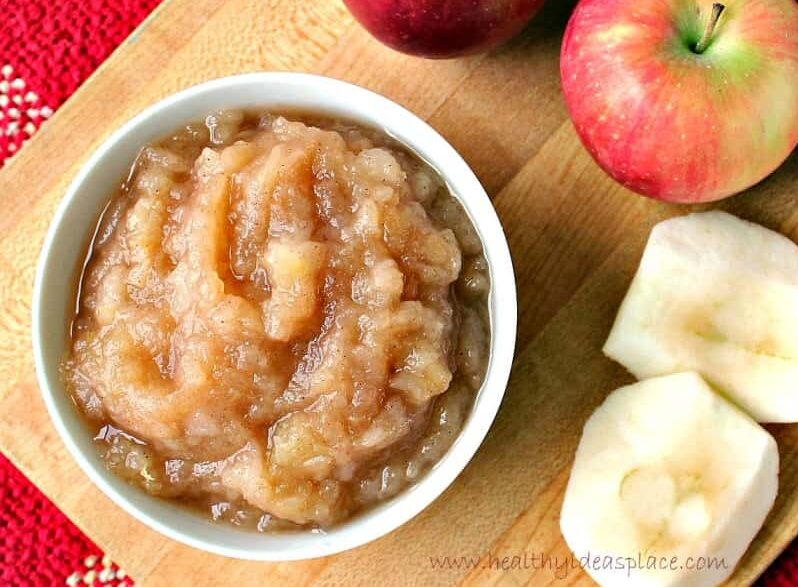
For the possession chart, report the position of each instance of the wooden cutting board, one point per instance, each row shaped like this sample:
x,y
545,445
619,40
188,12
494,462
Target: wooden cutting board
x,y
575,236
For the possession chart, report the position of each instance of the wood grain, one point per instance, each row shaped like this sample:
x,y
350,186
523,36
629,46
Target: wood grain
x,y
575,236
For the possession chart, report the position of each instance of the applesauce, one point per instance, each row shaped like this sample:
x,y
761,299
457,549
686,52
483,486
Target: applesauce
x,y
282,320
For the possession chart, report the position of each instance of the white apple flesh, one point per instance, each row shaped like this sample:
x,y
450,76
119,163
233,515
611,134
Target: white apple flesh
x,y
717,295
668,470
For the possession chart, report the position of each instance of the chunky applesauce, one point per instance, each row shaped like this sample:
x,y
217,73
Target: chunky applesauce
x,y
281,321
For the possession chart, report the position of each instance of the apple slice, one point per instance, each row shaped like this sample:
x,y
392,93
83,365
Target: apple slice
x,y
670,485
717,295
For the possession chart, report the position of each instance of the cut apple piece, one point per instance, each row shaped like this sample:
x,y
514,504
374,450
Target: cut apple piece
x,y
668,470
717,295
296,272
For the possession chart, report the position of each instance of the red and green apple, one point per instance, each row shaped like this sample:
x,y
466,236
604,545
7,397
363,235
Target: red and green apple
x,y
684,100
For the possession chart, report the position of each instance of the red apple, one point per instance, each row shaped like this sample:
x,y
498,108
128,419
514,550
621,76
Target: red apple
x,y
443,28
684,100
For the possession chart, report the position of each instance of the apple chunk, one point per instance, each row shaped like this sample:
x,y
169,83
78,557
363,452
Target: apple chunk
x,y
668,470
717,295
296,271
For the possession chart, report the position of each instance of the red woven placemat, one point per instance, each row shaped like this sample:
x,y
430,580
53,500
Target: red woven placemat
x,y
47,49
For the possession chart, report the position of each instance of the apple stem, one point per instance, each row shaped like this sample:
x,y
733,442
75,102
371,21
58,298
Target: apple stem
x,y
706,38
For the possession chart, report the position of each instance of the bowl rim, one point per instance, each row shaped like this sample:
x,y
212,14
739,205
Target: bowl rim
x,y
388,515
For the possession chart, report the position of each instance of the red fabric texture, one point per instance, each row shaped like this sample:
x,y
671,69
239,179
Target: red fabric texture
x,y
39,545
52,47
47,49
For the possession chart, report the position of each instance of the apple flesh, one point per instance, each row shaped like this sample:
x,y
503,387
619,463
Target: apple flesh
x,y
443,28
684,100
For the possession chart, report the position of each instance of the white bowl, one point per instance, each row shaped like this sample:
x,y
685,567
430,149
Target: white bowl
x,y
65,248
